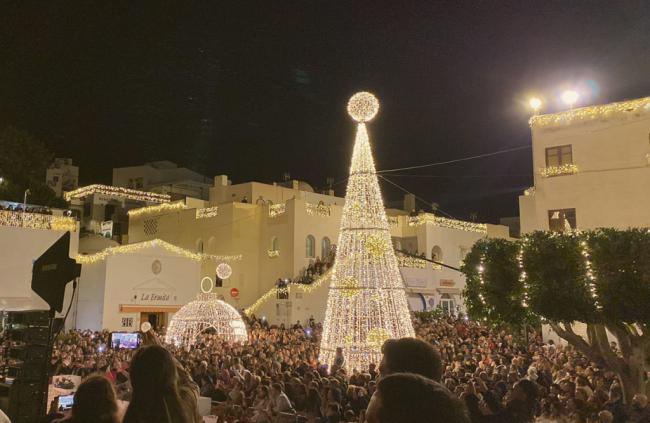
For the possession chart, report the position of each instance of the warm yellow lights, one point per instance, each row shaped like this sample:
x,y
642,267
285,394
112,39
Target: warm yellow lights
x,y
366,303
349,287
155,210
127,193
206,313
37,221
565,169
592,113
224,271
570,97
416,263
535,103
317,210
207,212
276,210
273,253
132,248
301,288
444,222
363,106
376,246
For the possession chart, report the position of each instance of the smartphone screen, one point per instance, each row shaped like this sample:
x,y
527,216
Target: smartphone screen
x,y
125,340
66,402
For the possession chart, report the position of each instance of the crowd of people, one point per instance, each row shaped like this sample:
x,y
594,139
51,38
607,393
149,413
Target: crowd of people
x,y
454,371
17,207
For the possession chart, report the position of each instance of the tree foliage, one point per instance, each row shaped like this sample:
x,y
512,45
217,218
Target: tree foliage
x,y
500,301
23,164
601,278
621,263
556,275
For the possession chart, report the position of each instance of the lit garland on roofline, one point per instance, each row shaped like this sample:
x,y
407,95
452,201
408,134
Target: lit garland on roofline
x,y
132,248
565,169
157,209
591,113
128,193
443,222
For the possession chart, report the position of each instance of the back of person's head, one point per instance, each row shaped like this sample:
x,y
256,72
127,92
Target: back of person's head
x,y
411,398
411,355
277,388
94,401
155,395
605,417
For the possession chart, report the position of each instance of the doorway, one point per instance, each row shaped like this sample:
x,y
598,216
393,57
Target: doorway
x,y
158,320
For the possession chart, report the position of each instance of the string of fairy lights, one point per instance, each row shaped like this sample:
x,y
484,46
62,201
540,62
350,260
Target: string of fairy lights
x,y
133,248
156,210
592,113
128,193
565,169
523,276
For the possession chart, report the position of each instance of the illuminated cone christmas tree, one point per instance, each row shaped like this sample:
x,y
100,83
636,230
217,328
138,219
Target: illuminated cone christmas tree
x,y
367,301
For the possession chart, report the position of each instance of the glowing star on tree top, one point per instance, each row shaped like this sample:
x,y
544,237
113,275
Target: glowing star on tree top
x,y
363,106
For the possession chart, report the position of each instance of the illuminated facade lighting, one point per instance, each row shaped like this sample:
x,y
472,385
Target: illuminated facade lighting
x,y
133,248
207,212
131,194
592,113
155,210
565,169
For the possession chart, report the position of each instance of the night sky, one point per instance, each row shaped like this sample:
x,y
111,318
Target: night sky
x,y
256,89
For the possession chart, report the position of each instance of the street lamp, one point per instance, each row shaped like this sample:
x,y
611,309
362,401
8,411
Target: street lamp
x,y
570,97
535,104
27,192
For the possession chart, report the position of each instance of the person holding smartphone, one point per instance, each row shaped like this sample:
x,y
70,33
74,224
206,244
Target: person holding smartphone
x,y
94,402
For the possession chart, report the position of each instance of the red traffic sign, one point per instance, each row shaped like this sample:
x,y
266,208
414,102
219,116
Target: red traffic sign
x,y
234,292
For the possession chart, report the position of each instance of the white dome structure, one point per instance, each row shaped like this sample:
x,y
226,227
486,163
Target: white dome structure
x,y
205,313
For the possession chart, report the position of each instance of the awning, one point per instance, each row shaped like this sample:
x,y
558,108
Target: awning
x,y
450,291
136,308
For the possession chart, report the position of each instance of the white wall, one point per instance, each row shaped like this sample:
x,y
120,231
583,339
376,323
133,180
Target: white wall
x,y
19,247
130,280
612,186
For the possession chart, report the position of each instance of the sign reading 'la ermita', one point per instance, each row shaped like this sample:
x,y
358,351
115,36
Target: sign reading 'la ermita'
x,y
154,296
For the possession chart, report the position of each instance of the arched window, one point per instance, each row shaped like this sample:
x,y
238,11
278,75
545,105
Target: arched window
x,y
199,245
436,253
325,247
212,245
275,243
310,246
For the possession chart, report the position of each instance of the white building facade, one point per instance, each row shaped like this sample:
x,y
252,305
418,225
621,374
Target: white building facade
x,y
592,169
281,229
164,177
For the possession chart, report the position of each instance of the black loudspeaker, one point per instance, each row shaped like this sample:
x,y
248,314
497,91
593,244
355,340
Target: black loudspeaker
x,y
24,398
26,350
53,270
